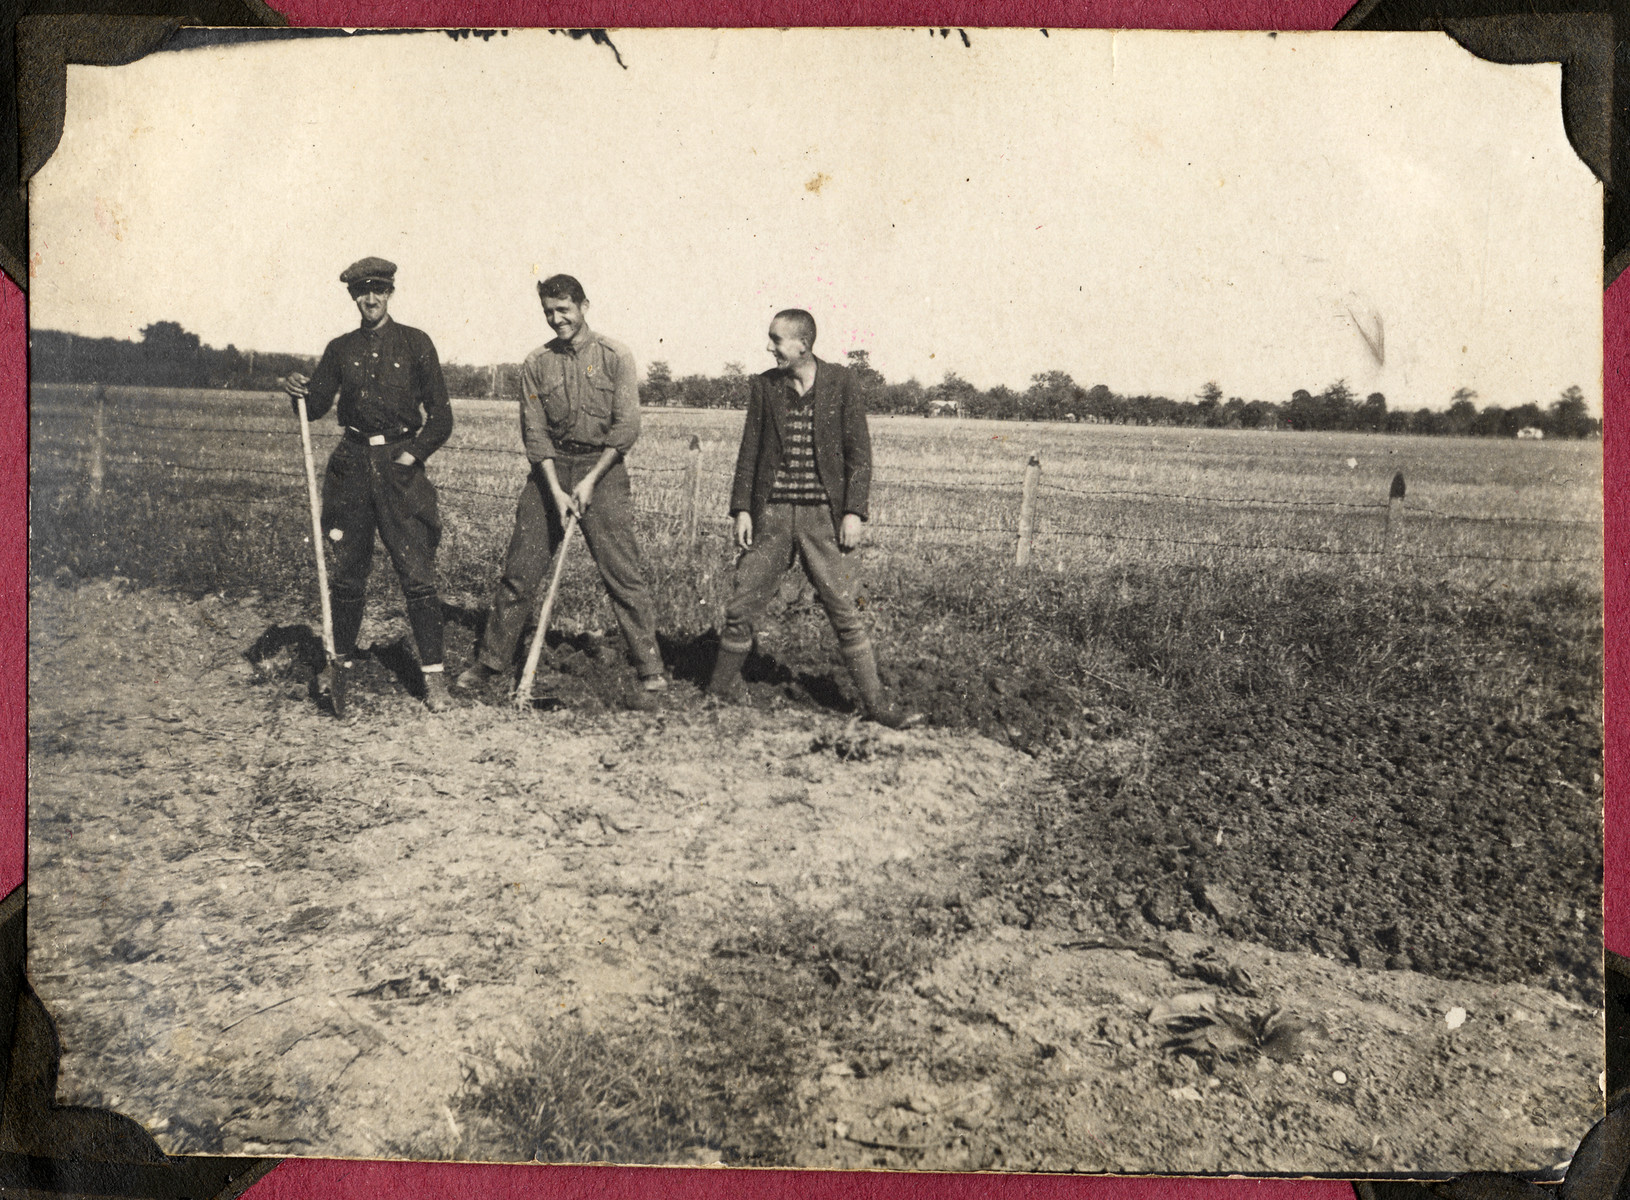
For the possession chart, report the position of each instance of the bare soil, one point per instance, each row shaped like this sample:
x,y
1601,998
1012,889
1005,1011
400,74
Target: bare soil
x,y
263,930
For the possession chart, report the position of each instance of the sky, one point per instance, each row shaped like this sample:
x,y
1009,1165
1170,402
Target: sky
x,y
1146,210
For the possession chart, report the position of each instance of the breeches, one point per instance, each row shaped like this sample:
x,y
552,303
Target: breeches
x,y
784,534
366,492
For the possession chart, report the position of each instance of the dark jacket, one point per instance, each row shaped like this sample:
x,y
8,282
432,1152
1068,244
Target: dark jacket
x,y
843,446
386,379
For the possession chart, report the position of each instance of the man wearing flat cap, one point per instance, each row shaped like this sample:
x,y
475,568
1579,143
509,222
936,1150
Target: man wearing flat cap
x,y
393,407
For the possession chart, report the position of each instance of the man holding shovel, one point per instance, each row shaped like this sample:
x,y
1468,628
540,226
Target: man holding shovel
x,y
580,414
803,476
393,406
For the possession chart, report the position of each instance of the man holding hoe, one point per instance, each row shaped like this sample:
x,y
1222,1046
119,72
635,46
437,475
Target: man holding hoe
x,y
393,405
580,414
802,479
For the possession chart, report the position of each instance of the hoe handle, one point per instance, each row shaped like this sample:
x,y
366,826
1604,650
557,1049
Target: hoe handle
x,y
523,690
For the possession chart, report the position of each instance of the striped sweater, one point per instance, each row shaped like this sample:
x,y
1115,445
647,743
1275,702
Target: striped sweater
x,y
796,479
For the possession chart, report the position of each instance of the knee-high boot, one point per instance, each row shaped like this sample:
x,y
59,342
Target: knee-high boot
x,y
862,662
347,616
725,682
424,615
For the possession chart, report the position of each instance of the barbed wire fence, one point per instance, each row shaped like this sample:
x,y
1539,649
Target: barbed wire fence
x,y
1040,506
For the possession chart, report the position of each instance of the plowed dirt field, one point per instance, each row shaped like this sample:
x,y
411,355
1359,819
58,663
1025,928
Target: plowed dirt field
x,y
767,934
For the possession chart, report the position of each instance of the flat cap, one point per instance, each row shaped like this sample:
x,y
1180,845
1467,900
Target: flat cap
x,y
368,269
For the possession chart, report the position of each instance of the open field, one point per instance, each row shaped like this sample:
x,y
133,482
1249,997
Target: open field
x,y
1212,740
1144,494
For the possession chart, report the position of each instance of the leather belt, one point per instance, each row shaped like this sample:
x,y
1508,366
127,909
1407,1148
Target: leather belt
x,y
577,448
377,439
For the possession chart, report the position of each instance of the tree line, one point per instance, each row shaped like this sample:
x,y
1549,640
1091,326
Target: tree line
x,y
1055,396
166,356
169,356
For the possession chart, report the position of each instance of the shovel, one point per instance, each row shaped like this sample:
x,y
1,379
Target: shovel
x,y
523,690
336,687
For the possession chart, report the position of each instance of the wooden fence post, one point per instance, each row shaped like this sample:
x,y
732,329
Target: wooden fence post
x,y
1027,508
693,489
97,441
1395,504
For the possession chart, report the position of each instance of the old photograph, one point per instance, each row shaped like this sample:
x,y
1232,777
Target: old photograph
x,y
1016,600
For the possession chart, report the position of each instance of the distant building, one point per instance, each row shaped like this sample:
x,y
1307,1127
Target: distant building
x,y
945,408
1530,432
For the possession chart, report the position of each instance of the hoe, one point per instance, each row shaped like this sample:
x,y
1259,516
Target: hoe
x,y
523,690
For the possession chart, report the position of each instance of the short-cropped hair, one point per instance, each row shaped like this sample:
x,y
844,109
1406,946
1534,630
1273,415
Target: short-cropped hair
x,y
801,321
561,287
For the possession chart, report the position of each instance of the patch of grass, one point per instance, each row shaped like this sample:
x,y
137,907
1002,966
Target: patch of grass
x,y
625,1095
719,1082
728,1074
234,537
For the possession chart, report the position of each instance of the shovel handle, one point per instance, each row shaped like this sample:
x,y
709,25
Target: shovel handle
x,y
316,528
523,690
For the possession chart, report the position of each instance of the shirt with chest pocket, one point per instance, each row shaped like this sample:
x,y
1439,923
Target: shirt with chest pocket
x,y
586,395
387,380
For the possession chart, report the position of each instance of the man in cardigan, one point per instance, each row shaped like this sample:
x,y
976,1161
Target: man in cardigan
x,y
802,478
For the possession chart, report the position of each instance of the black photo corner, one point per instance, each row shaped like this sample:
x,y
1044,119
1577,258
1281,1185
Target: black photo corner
x,y
56,1150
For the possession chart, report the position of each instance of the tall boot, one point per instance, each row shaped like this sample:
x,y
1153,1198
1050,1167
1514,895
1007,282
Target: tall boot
x,y
424,615
725,682
862,661
436,698
346,612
